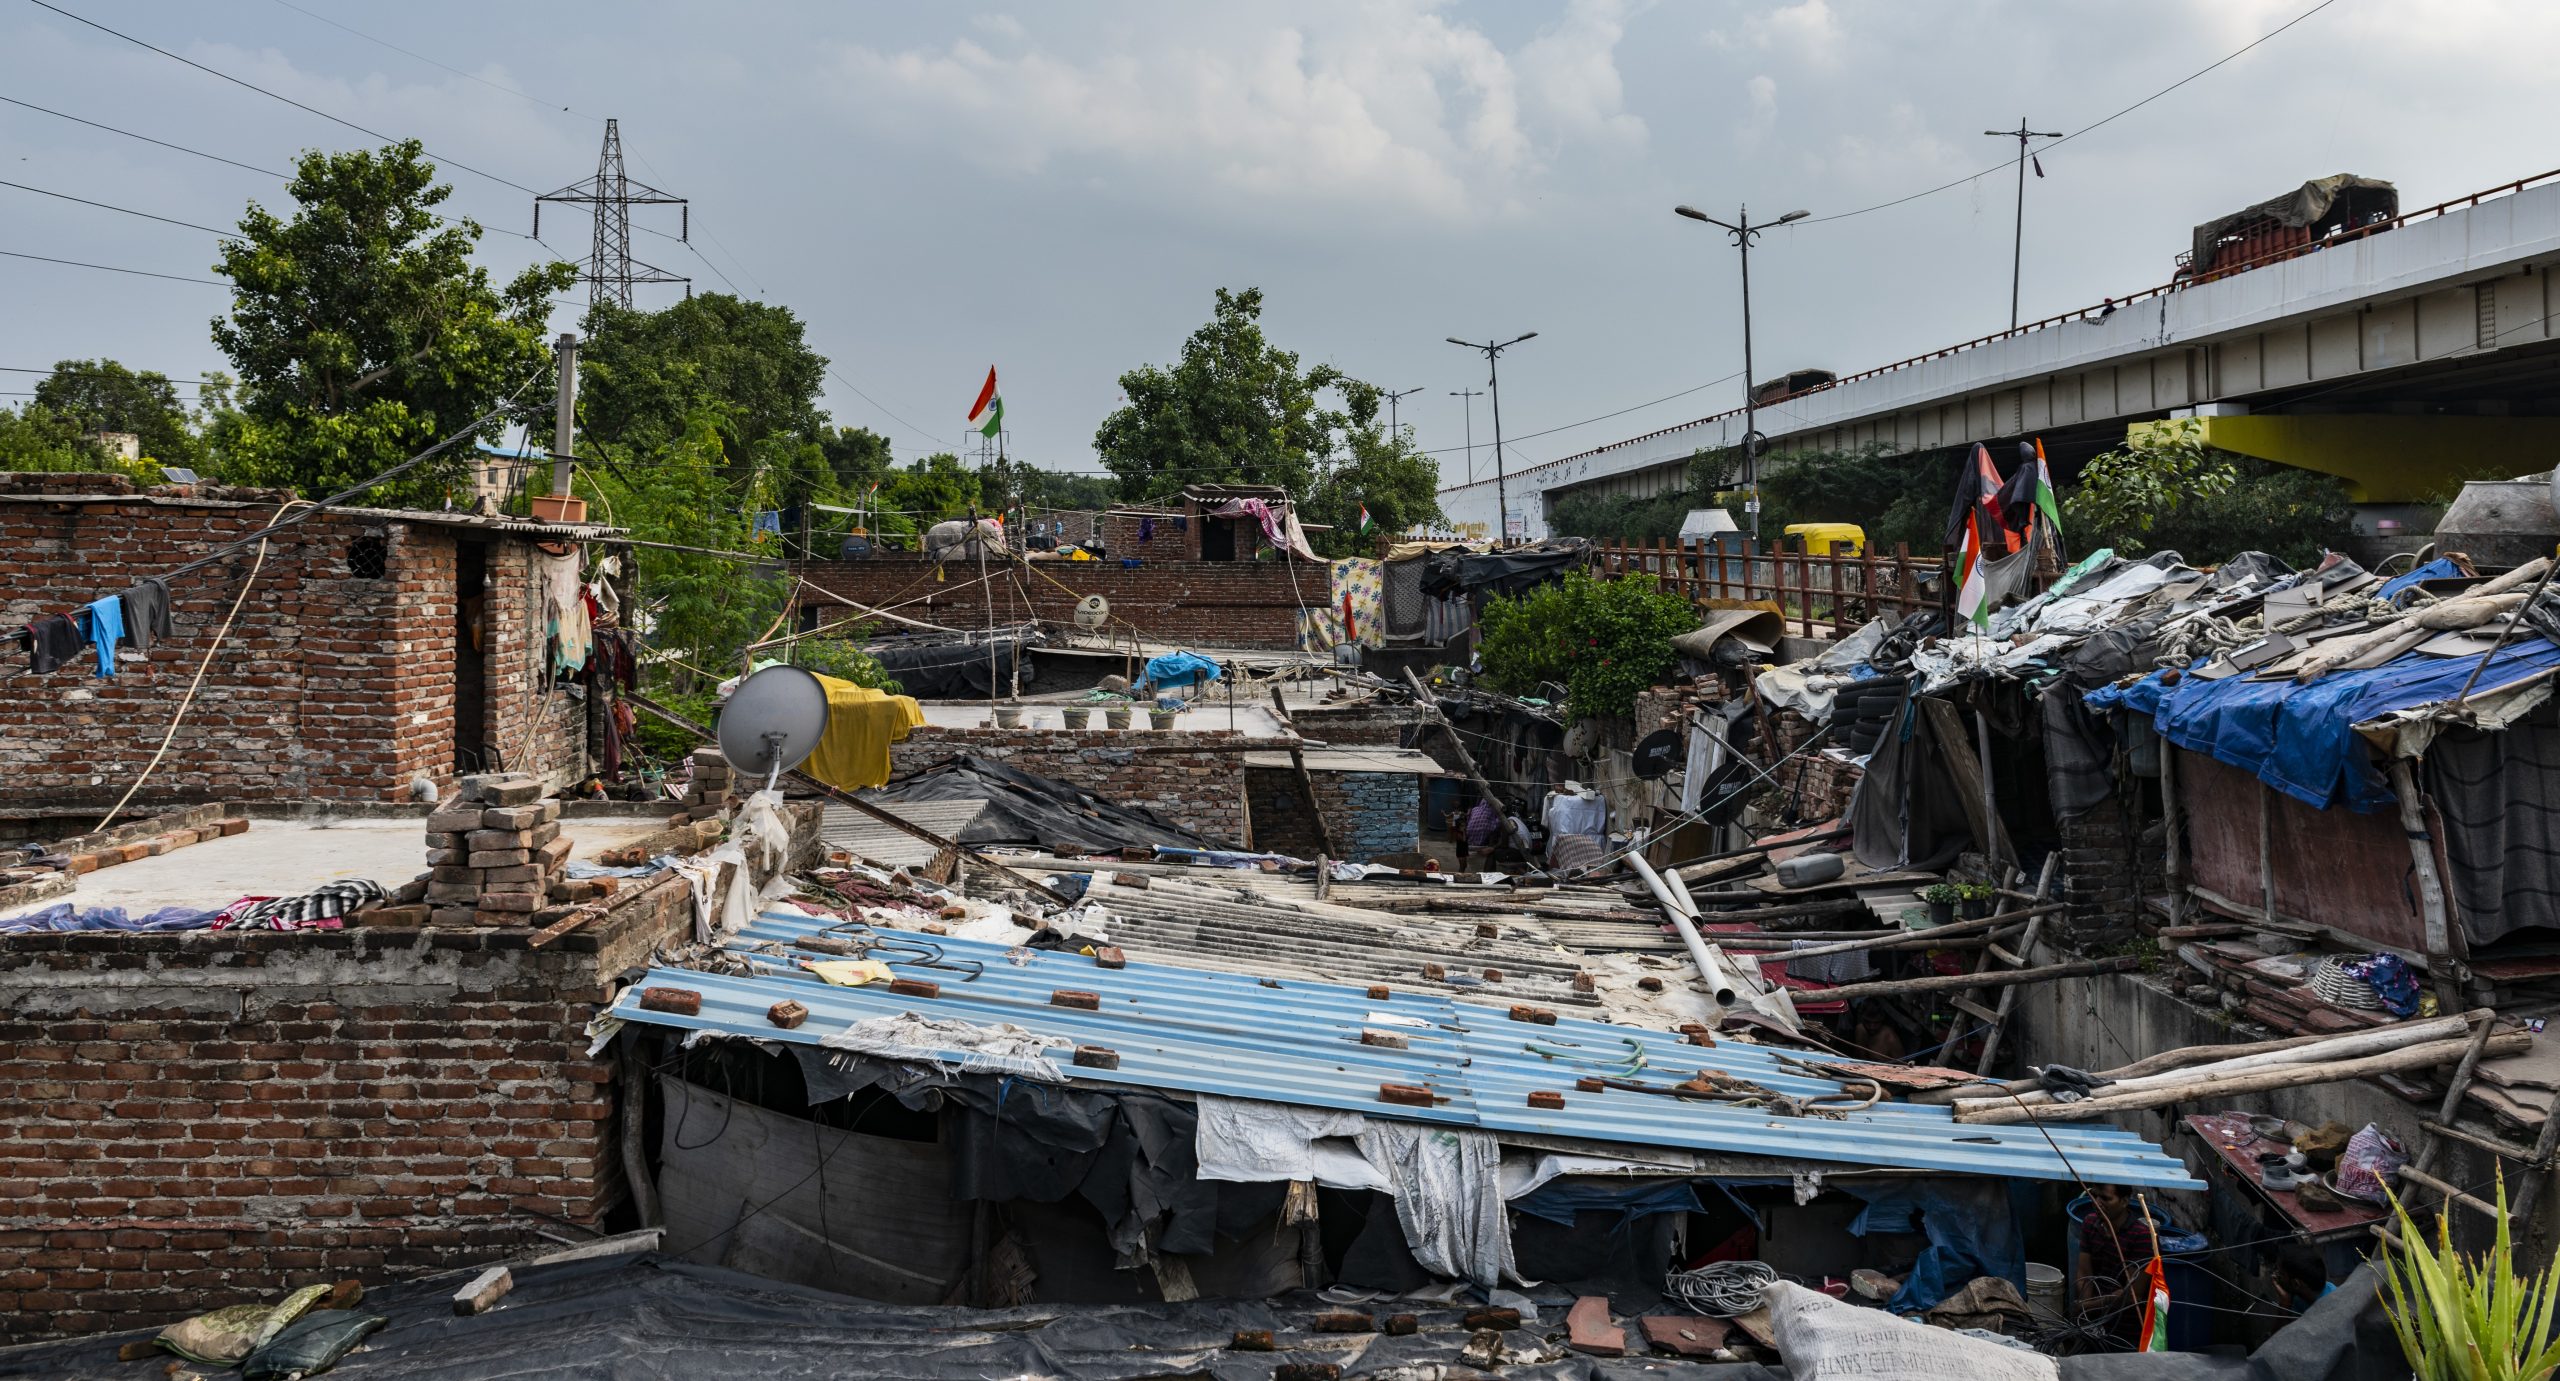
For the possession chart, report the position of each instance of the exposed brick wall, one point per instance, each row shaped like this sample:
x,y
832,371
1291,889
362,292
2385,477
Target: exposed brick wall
x,y
1165,543
1193,777
1361,722
330,685
1216,603
1371,813
195,1119
1281,821
2100,874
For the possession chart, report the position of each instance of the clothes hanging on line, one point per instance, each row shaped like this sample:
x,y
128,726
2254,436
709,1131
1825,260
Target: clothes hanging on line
x,y
106,629
146,613
853,753
50,641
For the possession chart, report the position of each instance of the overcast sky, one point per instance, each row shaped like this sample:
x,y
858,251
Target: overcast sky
x,y
1058,189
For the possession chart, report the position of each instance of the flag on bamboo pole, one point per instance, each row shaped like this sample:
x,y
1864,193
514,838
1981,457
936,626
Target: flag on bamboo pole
x,y
1364,519
2048,503
2155,1308
986,416
1973,593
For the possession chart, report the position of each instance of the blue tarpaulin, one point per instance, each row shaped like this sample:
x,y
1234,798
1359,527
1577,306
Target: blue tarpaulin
x,y
1180,669
2300,739
1971,1224
65,916
1559,1199
2438,569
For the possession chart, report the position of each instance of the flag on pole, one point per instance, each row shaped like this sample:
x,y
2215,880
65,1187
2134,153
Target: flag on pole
x,y
2155,1310
1973,593
2047,502
1365,524
986,416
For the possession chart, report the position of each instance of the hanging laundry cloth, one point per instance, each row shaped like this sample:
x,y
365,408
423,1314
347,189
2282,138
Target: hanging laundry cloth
x,y
50,641
853,753
146,613
106,629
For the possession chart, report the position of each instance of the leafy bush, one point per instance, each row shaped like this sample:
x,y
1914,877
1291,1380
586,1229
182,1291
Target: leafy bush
x,y
2170,491
1602,640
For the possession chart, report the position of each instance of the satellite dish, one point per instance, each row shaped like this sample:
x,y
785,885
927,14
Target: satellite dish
x,y
1092,612
773,721
1654,754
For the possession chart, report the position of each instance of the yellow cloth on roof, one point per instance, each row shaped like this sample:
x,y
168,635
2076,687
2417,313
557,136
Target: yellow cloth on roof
x,y
861,724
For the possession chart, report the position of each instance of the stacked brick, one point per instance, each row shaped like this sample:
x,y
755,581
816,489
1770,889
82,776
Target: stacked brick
x,y
1227,603
708,793
494,854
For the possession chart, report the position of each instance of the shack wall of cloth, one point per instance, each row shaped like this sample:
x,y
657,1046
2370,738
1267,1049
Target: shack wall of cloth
x,y
2499,795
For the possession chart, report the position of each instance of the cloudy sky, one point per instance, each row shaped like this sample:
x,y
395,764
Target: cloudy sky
x,y
1058,189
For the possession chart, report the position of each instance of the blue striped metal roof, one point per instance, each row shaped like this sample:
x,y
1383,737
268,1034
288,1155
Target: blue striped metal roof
x,y
1287,1041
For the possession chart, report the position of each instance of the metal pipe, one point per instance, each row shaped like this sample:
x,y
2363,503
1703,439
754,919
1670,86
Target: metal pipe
x,y
1724,987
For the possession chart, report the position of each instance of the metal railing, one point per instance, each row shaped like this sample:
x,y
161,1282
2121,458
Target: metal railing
x,y
1834,594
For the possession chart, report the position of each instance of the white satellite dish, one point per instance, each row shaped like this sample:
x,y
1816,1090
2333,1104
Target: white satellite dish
x,y
772,722
1092,612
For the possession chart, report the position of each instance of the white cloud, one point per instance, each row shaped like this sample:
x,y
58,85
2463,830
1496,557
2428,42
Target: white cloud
x,y
1387,107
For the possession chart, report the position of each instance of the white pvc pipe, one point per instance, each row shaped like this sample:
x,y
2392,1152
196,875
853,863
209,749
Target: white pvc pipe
x,y
1722,985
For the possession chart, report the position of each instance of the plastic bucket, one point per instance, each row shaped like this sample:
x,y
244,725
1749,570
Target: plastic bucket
x,y
2044,1290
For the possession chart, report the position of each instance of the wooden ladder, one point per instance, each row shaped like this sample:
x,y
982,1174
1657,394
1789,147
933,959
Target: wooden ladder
x,y
1997,1015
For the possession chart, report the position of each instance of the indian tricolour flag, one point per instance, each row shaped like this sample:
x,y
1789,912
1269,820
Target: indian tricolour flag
x,y
1973,594
2155,1312
1364,519
2047,502
986,416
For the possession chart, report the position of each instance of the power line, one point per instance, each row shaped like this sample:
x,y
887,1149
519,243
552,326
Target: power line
x,y
111,268
271,95
2085,129
839,377
135,376
129,134
127,210
1569,426
431,62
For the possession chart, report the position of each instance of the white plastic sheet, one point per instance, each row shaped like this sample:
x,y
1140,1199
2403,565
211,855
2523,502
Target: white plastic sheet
x,y
1824,1339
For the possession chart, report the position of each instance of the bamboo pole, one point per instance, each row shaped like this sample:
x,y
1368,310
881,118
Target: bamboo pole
x,y
2204,1085
1959,982
1922,939
2374,1041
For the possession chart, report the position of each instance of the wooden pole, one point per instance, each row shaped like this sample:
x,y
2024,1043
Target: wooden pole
x,y
1921,939
2217,1086
2355,1044
1958,982
1466,761
1306,783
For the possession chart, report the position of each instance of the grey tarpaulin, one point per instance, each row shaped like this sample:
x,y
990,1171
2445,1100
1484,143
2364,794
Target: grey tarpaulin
x,y
2500,793
1244,1140
1905,811
2304,205
1448,1188
645,1318
1024,808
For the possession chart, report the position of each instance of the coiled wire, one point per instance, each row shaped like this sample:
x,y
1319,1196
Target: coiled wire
x,y
1722,1289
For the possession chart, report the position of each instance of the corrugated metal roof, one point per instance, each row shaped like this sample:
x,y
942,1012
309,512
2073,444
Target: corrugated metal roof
x,y
846,828
1198,1031
1355,760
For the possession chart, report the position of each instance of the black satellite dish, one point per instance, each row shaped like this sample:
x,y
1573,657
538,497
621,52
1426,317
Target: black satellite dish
x,y
1655,753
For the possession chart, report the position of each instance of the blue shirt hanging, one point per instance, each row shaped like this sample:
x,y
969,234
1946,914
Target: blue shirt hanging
x,y
106,626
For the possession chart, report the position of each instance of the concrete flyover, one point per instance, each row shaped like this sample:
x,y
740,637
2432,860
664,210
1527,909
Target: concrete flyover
x,y
2405,357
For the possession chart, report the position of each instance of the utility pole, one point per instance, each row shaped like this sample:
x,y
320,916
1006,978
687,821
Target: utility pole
x,y
2018,247
609,269
564,417
1470,395
1493,383
1743,233
1395,428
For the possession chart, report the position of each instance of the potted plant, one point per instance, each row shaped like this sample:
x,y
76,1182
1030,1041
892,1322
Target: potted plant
x,y
1160,717
1977,900
1077,716
1942,898
1116,714
1008,716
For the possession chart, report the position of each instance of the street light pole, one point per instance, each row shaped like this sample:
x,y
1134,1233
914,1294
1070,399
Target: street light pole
x,y
2018,245
1470,395
1743,233
1493,383
1393,426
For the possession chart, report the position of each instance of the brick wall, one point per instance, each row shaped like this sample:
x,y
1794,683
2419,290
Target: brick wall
x,y
1195,778
1369,813
2100,874
331,684
197,1119
1361,722
1219,603
1166,543
1281,822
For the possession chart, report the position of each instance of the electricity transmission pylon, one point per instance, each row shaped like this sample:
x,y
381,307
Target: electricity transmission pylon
x,y
609,269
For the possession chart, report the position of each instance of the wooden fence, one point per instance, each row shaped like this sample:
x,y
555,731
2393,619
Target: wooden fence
x,y
1820,596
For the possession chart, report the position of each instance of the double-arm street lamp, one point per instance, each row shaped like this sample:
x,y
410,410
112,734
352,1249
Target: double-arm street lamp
x,y
1743,233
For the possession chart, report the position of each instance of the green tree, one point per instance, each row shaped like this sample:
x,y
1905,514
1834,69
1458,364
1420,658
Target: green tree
x,y
2125,492
2167,490
1370,467
1602,640
1615,517
859,457
937,487
36,437
646,377
363,333
104,396
1234,409
1066,490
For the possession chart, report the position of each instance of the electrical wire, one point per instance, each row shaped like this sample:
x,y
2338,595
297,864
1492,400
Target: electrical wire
x,y
2008,164
147,139
126,210
1569,426
275,96
112,268
1722,1289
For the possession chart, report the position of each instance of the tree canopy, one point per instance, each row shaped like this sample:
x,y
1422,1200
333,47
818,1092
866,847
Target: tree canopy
x,y
363,333
1236,409
105,396
644,377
